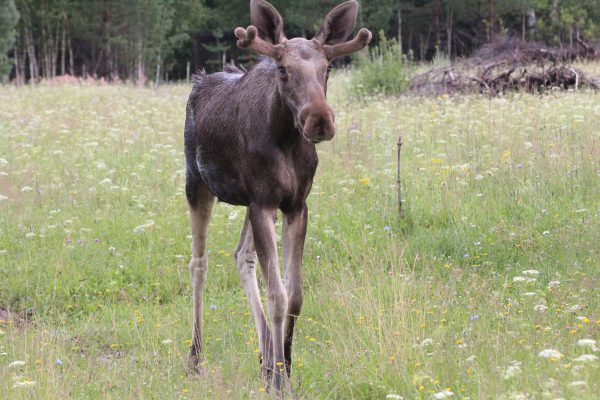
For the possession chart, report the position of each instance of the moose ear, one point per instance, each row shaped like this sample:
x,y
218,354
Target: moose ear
x,y
338,24
267,20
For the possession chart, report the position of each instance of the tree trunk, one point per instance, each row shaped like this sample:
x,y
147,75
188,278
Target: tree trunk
x,y
400,29
54,52
523,21
19,63
140,64
46,63
158,62
105,59
63,45
436,25
449,27
70,47
491,22
33,66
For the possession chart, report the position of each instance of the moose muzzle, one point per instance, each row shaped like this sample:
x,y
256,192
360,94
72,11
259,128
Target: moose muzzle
x,y
317,120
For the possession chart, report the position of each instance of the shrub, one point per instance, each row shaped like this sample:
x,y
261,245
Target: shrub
x,y
383,70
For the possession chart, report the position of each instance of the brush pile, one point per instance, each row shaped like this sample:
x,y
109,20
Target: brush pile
x,y
510,65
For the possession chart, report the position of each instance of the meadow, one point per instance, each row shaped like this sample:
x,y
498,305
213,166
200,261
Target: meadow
x,y
488,288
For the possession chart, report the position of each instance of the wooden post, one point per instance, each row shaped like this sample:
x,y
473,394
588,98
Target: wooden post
x,y
398,181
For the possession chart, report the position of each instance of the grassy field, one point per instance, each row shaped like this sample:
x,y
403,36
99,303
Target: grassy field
x,y
496,263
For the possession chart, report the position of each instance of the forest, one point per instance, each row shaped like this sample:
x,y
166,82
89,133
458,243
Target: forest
x,y
164,40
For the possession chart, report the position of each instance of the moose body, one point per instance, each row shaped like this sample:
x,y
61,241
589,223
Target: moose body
x,y
242,141
250,140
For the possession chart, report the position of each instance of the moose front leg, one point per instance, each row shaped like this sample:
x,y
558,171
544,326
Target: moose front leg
x,y
246,259
294,232
263,229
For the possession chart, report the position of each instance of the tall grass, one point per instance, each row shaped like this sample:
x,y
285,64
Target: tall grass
x,y
495,262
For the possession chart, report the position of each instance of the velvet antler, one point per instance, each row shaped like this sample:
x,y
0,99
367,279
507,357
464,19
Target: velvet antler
x,y
361,40
248,39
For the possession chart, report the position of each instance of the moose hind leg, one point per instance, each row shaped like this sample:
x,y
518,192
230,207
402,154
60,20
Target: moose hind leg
x,y
246,260
200,208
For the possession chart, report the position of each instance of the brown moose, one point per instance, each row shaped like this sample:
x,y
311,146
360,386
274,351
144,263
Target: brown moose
x,y
250,140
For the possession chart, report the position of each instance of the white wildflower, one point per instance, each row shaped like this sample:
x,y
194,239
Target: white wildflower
x,y
394,396
426,342
25,189
519,396
512,371
144,227
530,294
523,279
578,383
2,197
106,181
586,358
167,341
15,364
575,308
444,394
553,284
550,353
233,215
540,308
591,343
23,384
532,272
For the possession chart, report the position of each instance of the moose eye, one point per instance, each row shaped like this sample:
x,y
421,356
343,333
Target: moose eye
x,y
282,71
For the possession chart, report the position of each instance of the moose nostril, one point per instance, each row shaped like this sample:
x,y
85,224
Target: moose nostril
x,y
303,115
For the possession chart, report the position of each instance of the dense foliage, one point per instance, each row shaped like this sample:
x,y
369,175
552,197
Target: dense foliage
x,y
9,16
164,39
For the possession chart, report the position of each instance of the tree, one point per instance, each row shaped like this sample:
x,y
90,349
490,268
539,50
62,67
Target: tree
x,y
137,39
9,18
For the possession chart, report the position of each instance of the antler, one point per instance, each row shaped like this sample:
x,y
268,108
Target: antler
x,y
361,40
248,39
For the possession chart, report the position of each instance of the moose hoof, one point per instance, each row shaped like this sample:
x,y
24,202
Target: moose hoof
x,y
196,363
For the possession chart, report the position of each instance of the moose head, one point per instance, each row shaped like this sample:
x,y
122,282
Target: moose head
x,y
303,65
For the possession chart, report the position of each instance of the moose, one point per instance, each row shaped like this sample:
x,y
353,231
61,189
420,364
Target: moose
x,y
250,140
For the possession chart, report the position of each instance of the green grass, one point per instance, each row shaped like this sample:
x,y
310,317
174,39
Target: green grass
x,y
94,238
